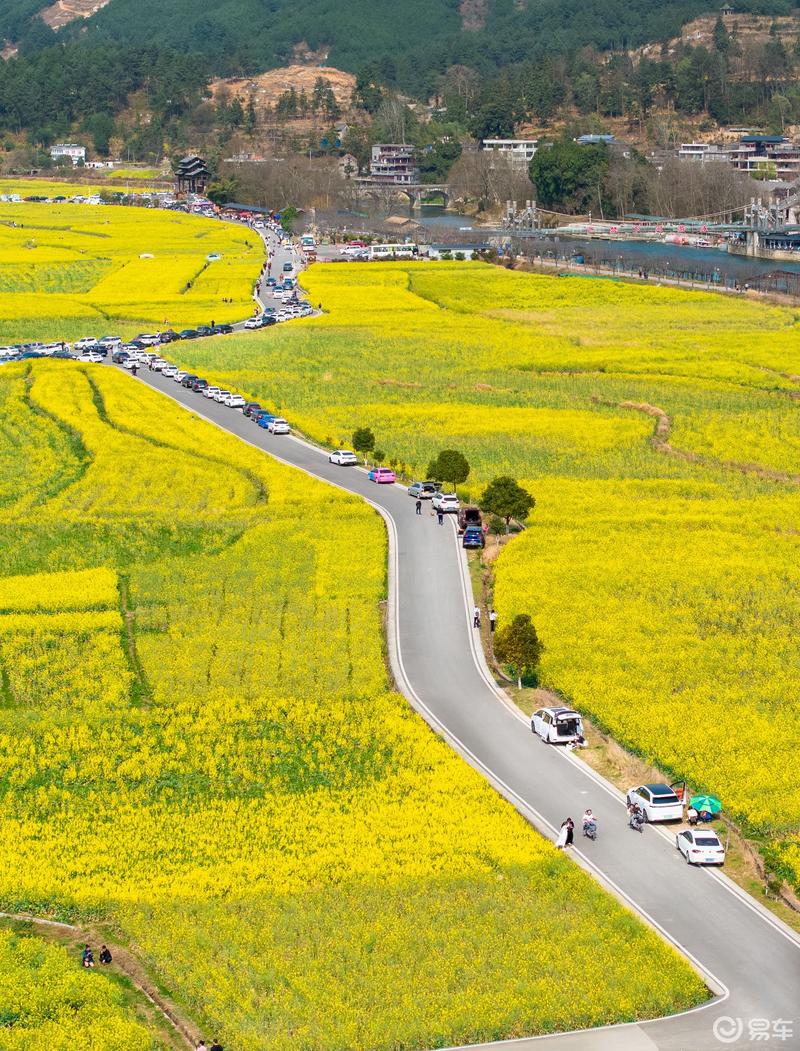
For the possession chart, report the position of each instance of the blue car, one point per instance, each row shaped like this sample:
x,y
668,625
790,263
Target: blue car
x,y
473,537
265,419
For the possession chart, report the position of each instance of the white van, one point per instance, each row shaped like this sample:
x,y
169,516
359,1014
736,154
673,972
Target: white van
x,y
557,725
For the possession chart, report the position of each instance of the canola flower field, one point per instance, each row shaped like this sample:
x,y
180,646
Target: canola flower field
x,y
199,749
662,575
69,270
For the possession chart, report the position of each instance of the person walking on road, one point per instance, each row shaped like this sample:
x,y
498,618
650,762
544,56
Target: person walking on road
x,y
419,507
492,620
476,617
440,516
134,369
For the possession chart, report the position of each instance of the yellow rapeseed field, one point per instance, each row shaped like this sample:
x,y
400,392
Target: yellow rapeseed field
x,y
71,270
199,747
663,577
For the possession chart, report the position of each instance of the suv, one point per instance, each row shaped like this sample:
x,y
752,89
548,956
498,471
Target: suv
x,y
473,537
118,356
424,490
446,502
251,408
657,802
188,380
469,517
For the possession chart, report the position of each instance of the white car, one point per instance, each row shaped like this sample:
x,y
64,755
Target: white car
x,y
91,356
700,846
110,342
279,426
169,371
148,339
234,401
221,395
253,322
447,502
160,364
556,725
179,375
277,293
86,343
211,392
657,802
344,458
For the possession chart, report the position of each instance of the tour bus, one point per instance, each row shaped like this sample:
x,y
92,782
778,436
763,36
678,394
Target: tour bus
x,y
402,251
307,241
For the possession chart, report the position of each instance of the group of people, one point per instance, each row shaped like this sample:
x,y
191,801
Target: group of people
x,y
476,618
201,1045
87,957
566,836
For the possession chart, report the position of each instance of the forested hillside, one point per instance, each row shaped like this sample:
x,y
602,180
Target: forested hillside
x,y
411,41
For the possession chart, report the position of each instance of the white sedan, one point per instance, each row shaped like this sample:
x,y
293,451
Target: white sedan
x,y
253,322
211,392
91,356
234,401
169,371
86,343
700,846
179,375
344,458
221,395
279,426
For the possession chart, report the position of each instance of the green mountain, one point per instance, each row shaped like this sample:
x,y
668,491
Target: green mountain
x,y
409,42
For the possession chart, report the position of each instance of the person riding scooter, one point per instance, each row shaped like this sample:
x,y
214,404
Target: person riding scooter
x,y
635,817
589,824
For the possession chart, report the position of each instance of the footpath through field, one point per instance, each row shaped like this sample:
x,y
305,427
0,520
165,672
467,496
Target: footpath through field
x,y
749,958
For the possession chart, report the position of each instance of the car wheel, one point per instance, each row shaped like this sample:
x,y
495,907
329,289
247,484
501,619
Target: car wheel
x,y
688,862
645,816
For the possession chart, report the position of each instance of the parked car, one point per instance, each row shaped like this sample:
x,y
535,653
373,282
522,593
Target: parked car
x,y
187,333
279,426
271,282
447,502
188,380
473,537
204,330
199,384
657,802
85,343
382,475
557,725
180,375
118,356
221,395
109,341
250,407
211,392
253,322
169,372
423,490
222,330
344,458
264,419
147,339
700,846
469,516
159,364
168,337
91,355
234,401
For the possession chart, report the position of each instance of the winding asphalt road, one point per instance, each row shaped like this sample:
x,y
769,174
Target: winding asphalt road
x,y
749,959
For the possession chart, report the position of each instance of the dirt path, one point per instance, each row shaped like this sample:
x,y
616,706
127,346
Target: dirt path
x,y
661,443
185,1032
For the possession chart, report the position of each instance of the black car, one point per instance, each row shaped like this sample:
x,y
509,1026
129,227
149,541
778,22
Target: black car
x,y
119,356
168,337
188,333
269,319
204,330
251,408
222,330
188,380
199,383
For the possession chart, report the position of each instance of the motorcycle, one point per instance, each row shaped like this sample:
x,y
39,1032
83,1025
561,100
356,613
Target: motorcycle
x,y
636,821
590,830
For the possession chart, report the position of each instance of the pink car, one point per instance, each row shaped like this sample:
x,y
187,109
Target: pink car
x,y
382,474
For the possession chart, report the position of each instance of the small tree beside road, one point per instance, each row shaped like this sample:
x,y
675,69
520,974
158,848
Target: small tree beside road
x,y
519,646
363,441
507,499
449,466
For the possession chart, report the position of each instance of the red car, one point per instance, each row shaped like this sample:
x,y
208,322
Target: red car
x,y
383,474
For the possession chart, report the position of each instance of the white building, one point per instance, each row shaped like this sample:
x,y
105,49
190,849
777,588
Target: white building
x,y
521,151
68,149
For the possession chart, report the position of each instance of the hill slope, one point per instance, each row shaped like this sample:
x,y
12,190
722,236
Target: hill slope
x,y
411,40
